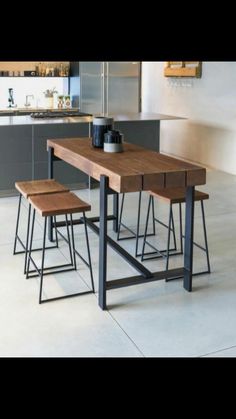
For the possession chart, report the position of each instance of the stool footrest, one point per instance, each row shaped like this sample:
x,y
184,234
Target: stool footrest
x,y
76,251
134,235
174,253
19,252
66,296
53,271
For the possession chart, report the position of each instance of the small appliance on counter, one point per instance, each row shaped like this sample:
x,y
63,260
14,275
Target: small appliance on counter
x,y
101,125
113,142
11,102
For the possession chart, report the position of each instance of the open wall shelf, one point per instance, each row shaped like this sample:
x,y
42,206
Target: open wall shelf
x,y
183,69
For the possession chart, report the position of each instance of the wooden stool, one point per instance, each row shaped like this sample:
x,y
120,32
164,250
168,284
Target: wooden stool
x,y
51,205
27,189
174,196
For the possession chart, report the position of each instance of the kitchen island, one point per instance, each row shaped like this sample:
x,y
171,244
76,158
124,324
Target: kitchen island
x,y
23,150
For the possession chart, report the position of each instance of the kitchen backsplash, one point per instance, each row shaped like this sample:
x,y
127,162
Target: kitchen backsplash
x,y
23,86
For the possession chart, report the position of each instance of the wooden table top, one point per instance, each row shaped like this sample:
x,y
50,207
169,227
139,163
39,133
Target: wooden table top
x,y
133,170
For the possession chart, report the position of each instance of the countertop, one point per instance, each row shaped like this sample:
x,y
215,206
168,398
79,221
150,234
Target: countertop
x,y
27,120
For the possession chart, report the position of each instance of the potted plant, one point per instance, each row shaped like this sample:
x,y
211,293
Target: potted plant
x,y
49,94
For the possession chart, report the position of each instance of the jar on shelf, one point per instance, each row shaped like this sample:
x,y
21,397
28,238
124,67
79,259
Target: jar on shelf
x,y
60,101
67,101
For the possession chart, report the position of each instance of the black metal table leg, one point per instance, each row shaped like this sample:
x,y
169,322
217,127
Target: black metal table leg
x,y
103,242
115,211
50,176
188,246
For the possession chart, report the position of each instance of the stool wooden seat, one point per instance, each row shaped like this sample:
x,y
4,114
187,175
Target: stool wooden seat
x,y
38,187
58,203
177,195
51,205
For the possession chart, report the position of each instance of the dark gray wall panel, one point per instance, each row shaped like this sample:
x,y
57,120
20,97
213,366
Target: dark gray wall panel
x,y
15,144
63,173
17,132
61,130
68,131
67,174
143,133
12,172
12,150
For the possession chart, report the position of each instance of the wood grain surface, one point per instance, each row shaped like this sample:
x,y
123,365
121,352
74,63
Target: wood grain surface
x,y
133,170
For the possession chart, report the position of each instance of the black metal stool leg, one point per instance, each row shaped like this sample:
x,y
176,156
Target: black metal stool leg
x,y
30,246
73,241
181,229
173,229
205,238
27,238
153,217
42,263
115,211
168,238
138,224
68,236
120,217
56,235
88,249
17,224
146,227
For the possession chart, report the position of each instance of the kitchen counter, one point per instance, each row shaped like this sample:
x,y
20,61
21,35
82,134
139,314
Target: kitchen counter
x,y
27,120
143,116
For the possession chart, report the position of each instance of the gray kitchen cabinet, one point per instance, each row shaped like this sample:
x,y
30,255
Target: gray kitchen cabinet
x,y
63,172
23,154
15,156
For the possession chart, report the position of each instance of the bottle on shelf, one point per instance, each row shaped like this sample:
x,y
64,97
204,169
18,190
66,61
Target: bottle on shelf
x,y
60,101
67,101
61,70
43,70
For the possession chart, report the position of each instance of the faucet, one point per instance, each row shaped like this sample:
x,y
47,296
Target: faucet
x,y
26,100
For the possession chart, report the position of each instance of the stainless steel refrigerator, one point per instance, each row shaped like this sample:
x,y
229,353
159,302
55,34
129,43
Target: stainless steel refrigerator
x,y
110,87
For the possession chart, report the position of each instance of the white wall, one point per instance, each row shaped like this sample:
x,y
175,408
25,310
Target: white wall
x,y
208,136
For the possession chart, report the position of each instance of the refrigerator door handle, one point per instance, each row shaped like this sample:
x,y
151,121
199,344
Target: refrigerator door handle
x,y
102,88
107,109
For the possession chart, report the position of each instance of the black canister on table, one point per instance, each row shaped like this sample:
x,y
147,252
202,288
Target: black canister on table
x,y
113,142
101,125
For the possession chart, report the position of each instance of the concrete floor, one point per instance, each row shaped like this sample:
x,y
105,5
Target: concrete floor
x,y
153,320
